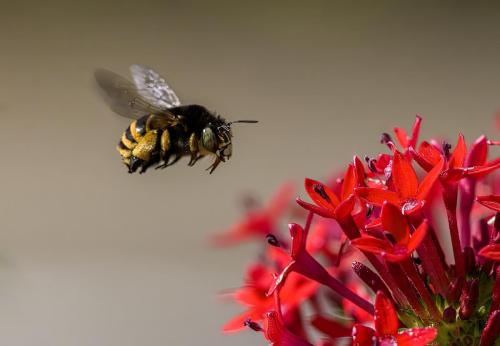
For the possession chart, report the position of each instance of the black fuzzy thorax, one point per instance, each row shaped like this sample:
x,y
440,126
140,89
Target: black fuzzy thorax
x,y
198,117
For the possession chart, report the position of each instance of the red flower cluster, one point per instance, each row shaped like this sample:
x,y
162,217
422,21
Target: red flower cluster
x,y
380,237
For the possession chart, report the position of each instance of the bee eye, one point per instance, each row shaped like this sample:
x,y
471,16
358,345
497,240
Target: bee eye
x,y
208,139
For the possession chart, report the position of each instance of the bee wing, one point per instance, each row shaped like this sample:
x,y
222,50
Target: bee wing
x,y
153,87
123,98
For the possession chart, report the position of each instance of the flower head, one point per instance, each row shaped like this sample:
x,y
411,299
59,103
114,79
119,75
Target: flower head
x,y
376,247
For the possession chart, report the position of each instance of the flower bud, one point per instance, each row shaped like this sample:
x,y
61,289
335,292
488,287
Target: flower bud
x,y
468,299
454,289
449,314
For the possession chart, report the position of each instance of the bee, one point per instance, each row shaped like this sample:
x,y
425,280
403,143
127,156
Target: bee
x,y
163,130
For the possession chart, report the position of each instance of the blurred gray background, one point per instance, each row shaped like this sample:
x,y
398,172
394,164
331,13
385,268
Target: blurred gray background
x,y
90,255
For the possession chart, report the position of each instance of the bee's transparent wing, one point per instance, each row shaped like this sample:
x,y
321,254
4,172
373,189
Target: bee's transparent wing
x,y
123,98
153,87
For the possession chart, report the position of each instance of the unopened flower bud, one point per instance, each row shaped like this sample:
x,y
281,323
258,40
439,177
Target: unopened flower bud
x,y
468,299
449,314
470,259
454,290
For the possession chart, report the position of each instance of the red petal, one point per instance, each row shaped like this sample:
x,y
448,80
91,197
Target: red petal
x,y
404,176
278,334
362,336
385,318
377,196
418,236
321,194
491,252
372,244
360,171
330,327
401,136
430,153
478,172
298,239
478,153
349,183
417,336
345,208
325,212
458,157
491,201
429,180
415,131
394,222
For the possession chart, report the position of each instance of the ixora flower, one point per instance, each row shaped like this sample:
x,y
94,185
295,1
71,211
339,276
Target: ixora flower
x,y
370,264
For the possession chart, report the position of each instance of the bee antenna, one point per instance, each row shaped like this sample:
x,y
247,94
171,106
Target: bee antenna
x,y
243,121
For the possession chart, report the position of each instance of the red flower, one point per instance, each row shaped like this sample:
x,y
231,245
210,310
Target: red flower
x,y
409,194
303,263
254,295
276,331
402,244
327,204
491,201
406,141
428,155
258,222
386,328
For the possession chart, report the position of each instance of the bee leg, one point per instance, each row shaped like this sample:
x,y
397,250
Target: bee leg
x,y
176,158
135,163
145,166
194,159
214,165
165,163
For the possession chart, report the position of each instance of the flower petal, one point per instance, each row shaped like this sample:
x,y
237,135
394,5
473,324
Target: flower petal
x,y
345,208
362,335
418,236
325,212
349,182
360,171
298,239
404,176
377,196
394,222
457,159
491,252
330,327
429,180
491,201
372,244
429,153
416,336
478,153
321,194
385,318
401,136
277,333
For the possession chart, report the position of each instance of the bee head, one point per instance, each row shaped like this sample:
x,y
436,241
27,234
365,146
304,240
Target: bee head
x,y
216,137
225,134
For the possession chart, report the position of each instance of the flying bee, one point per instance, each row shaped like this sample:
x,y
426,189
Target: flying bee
x,y
163,130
